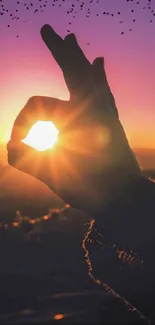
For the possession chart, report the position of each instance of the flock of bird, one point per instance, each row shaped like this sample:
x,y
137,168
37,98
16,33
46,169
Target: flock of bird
x,y
73,8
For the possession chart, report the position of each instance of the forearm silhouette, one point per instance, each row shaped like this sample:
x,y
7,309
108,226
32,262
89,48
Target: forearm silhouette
x,y
92,162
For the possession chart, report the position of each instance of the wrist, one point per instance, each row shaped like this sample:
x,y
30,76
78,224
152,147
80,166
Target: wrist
x,y
121,188
135,190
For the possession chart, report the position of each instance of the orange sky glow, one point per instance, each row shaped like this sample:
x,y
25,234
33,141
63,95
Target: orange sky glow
x,y
27,68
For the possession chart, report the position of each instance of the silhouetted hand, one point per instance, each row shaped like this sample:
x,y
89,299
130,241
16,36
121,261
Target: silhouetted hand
x,y
92,161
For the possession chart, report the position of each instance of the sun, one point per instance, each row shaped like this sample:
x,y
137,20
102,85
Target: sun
x,y
42,136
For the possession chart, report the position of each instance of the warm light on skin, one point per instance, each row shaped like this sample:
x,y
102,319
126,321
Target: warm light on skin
x,y
42,136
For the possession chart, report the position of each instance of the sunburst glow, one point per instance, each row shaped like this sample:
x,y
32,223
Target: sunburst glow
x,y
42,136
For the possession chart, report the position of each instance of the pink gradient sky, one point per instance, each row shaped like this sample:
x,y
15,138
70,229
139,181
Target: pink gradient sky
x,y
27,68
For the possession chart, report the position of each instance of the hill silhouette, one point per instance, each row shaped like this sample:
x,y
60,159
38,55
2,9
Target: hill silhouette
x,y
145,157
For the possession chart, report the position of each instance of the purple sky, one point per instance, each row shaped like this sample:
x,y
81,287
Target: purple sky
x,y
27,68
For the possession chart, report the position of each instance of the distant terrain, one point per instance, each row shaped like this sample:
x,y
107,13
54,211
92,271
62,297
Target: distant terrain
x,y
145,157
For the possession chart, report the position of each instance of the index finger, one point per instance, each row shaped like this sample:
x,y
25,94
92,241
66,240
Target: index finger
x,y
56,45
75,66
39,108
